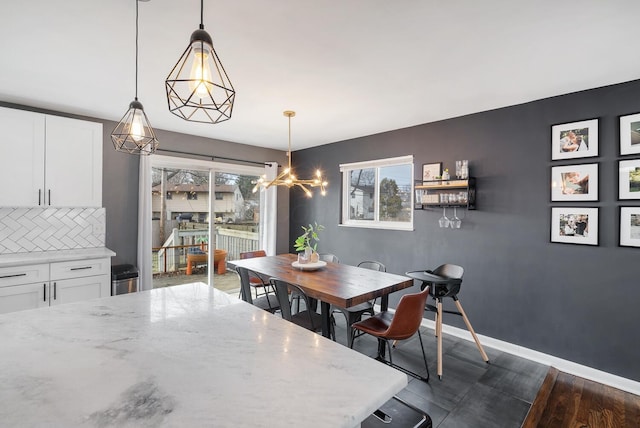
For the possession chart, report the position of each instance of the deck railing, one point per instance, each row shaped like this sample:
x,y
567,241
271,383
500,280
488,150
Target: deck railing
x,y
173,258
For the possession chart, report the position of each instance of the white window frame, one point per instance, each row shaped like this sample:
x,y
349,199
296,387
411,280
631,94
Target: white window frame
x,y
345,170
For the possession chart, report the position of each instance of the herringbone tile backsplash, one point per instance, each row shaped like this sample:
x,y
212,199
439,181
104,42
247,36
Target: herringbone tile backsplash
x,y
25,230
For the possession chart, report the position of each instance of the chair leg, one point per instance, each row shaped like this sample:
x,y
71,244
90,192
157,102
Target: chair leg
x,y
423,354
350,334
402,369
439,334
390,357
332,327
473,333
435,320
383,344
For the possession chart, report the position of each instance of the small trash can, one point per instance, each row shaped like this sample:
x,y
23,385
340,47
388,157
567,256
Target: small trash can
x,y
124,279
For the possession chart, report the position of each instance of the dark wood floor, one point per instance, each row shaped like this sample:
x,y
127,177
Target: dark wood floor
x,y
568,401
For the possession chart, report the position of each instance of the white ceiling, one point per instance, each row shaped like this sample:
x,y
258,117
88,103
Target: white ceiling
x,y
349,68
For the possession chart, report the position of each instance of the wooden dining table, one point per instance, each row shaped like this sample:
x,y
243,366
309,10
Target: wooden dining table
x,y
334,284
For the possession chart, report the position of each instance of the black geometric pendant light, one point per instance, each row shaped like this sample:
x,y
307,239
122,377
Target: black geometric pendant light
x,y
134,134
198,88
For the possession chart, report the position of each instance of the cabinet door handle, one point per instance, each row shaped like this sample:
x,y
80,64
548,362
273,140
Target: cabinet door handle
x,y
49,196
54,291
44,292
13,276
82,268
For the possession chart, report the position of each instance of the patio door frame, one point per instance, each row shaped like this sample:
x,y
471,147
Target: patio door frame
x,y
173,162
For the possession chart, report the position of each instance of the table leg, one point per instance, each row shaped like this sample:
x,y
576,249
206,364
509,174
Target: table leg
x,y
325,310
439,333
384,305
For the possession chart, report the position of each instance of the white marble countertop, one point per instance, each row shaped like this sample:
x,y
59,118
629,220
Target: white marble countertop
x,y
21,259
182,356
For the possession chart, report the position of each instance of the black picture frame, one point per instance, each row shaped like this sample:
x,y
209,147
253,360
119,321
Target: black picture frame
x,y
574,140
575,225
630,134
578,182
629,227
629,179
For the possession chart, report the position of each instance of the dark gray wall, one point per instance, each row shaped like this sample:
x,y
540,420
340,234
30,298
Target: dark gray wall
x,y
572,301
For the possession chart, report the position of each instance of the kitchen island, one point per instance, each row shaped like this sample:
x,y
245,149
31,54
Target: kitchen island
x,y
180,356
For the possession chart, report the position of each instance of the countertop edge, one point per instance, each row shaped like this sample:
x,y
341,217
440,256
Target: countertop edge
x,y
21,259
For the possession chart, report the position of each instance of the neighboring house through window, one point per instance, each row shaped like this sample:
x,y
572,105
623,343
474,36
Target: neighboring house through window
x,y
378,194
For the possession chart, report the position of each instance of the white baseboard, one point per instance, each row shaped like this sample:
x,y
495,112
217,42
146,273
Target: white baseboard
x,y
539,357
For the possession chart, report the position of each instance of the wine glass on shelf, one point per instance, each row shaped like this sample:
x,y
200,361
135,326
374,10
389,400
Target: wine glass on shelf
x,y
444,220
455,222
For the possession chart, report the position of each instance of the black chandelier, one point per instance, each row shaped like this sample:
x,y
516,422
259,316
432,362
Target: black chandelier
x,y
134,134
198,88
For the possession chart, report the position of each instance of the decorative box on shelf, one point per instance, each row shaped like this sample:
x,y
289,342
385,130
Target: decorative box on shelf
x,y
446,193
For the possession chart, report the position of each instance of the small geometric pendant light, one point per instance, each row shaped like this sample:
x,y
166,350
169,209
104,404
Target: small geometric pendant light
x,y
134,134
198,88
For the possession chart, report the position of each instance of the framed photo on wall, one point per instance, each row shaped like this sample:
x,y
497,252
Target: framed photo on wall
x,y
629,179
630,226
630,134
431,171
574,225
574,140
574,182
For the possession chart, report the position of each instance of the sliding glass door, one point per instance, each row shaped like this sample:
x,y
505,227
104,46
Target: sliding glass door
x,y
194,234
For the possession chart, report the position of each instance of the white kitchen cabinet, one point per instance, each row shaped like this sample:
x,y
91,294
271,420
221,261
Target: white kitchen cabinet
x,y
49,160
21,158
34,286
24,296
74,290
79,280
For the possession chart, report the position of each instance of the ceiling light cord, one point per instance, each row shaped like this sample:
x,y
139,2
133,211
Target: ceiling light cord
x,y
290,143
136,97
202,14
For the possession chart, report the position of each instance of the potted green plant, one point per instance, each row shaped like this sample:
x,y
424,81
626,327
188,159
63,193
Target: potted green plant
x,y
308,242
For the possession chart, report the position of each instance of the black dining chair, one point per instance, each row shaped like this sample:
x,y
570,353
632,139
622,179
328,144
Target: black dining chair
x,y
328,257
258,285
267,301
354,313
307,317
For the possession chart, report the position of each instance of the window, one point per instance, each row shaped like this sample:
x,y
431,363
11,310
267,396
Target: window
x,y
378,194
218,196
169,196
192,196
